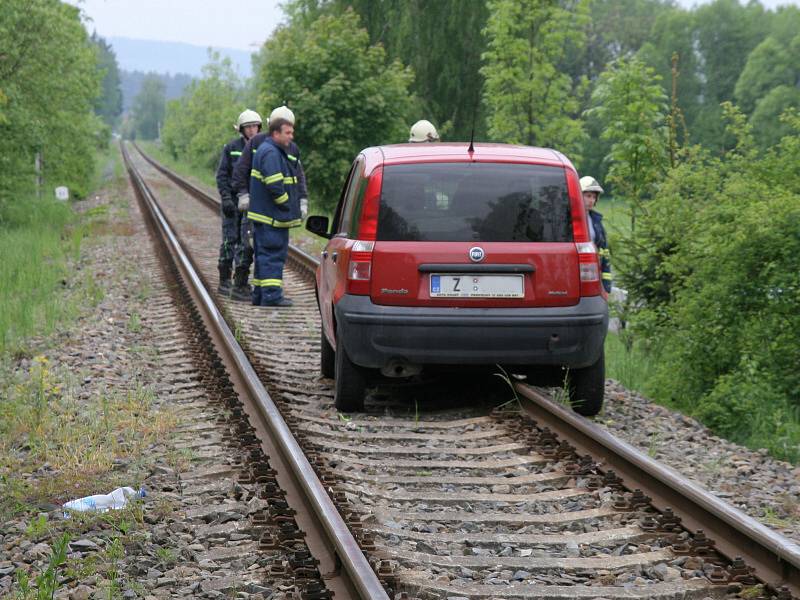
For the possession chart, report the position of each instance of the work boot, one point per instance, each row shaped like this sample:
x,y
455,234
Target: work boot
x,y
224,280
283,301
241,289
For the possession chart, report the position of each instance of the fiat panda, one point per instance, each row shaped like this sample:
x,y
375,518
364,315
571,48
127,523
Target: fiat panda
x,y
453,256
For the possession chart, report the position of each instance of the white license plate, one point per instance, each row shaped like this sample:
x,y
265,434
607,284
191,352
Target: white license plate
x,y
477,286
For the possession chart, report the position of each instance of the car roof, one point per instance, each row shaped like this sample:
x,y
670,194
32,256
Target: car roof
x,y
438,150
458,151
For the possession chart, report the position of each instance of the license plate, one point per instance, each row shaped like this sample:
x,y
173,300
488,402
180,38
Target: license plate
x,y
477,286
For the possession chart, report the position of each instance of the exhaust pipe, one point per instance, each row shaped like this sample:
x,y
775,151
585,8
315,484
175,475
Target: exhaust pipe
x,y
398,367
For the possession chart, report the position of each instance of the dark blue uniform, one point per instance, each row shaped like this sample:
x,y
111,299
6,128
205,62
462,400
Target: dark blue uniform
x,y
241,171
236,248
274,209
601,241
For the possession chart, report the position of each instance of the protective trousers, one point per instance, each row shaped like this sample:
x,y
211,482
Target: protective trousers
x,y
236,247
271,245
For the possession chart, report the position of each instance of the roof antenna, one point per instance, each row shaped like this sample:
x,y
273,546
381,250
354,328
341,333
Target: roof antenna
x,y
471,148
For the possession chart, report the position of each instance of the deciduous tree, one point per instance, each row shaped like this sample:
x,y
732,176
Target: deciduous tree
x,y
344,94
529,100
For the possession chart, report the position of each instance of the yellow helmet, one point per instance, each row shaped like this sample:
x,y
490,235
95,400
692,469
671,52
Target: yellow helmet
x,y
423,131
589,184
282,112
248,117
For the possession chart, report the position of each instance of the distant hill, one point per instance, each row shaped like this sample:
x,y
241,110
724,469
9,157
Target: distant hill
x,y
172,57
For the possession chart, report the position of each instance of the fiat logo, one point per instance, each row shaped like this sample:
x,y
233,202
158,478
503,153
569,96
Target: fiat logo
x,y
476,254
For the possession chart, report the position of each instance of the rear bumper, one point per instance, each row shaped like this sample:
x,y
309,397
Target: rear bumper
x,y
373,335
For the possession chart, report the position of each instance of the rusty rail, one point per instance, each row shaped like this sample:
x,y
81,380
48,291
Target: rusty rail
x,y
346,570
775,558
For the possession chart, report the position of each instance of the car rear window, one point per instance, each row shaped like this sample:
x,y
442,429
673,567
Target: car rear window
x,y
465,202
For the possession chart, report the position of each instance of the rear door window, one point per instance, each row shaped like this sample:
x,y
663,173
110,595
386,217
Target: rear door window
x,y
480,202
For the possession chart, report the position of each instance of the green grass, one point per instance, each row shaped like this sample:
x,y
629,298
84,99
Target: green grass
x,y
38,239
632,367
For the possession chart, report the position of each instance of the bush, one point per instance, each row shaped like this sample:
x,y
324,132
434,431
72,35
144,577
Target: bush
x,y
714,272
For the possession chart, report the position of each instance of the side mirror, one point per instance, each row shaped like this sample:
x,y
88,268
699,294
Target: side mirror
x,y
319,226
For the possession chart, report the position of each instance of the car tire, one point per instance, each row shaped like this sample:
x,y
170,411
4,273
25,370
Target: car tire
x,y
327,357
348,394
587,387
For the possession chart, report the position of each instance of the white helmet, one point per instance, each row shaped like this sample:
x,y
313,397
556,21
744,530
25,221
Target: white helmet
x,y
282,112
423,131
248,117
589,184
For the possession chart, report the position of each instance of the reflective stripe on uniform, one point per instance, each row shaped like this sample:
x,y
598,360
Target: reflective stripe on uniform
x,y
291,157
607,276
282,198
259,218
235,153
604,252
267,282
289,180
266,180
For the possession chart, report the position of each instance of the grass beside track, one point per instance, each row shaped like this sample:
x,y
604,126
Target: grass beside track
x,y
40,242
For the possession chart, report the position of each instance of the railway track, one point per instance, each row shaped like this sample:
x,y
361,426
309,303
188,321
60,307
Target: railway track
x,y
450,495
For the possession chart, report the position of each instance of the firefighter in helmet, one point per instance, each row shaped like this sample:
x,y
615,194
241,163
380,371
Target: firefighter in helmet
x,y
591,191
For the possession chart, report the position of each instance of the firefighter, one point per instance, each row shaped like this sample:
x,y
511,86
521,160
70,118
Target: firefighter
x,y
274,208
591,191
241,173
423,131
236,249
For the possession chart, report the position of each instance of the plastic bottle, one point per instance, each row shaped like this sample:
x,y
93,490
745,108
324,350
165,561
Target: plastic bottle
x,y
104,502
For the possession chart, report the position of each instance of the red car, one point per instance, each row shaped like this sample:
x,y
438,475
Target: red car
x,y
447,256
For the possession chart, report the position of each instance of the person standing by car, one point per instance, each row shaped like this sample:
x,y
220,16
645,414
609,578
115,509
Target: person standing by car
x,y
274,208
423,131
591,191
235,248
241,172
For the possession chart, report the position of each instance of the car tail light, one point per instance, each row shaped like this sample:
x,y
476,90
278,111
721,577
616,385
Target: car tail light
x,y
359,270
588,260
368,221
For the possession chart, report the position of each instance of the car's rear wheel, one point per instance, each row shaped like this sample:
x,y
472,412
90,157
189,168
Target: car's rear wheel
x,y
327,357
348,394
587,387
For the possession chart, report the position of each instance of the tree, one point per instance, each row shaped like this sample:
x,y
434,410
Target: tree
x,y
48,85
528,99
630,105
344,93
148,108
768,126
108,105
442,42
198,124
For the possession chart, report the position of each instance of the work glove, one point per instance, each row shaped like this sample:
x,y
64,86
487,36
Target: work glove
x,y
244,202
228,207
303,208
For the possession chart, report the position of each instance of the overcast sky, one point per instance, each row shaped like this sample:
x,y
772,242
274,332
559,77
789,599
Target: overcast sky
x,y
242,24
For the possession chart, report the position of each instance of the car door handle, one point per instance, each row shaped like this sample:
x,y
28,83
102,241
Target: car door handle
x,y
324,254
334,256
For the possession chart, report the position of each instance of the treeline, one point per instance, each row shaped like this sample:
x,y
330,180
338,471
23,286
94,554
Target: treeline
x,y
52,109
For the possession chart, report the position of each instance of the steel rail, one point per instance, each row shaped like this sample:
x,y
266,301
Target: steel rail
x,y
356,579
775,558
